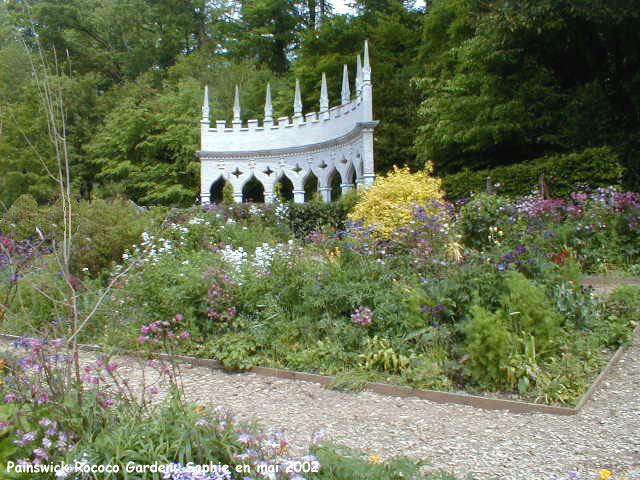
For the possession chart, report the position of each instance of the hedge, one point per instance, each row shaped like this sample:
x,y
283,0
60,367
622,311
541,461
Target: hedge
x,y
593,167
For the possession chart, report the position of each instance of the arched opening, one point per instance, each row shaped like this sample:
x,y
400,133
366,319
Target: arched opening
x,y
310,187
216,191
284,189
351,176
253,191
336,188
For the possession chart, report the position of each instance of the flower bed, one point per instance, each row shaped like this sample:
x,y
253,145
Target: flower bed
x,y
483,296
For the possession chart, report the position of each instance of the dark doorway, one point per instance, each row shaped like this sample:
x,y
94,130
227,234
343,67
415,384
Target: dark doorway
x,y
335,182
253,191
216,191
284,189
310,187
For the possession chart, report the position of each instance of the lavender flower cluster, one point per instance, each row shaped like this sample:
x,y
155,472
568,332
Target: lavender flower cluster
x,y
362,316
162,330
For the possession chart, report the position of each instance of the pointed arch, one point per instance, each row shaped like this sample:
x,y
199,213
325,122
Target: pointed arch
x,y
253,191
217,189
310,183
351,175
335,183
284,188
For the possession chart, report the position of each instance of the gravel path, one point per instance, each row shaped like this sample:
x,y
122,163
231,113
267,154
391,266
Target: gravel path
x,y
488,444
466,440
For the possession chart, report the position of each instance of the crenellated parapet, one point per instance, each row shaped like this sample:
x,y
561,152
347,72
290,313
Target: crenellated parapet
x,y
335,140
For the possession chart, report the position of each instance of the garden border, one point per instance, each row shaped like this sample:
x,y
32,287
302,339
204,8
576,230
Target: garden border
x,y
399,391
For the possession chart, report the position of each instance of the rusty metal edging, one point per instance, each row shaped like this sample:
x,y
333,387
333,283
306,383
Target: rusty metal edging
x,y
399,391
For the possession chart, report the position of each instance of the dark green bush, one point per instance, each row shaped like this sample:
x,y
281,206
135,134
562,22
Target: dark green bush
x,y
106,229
20,221
305,218
593,167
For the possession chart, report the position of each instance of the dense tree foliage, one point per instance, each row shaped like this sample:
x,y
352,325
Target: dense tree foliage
x,y
507,82
462,83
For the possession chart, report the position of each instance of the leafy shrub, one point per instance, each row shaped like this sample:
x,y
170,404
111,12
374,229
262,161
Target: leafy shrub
x,y
489,343
306,218
106,229
483,219
389,204
525,318
530,310
52,222
156,290
592,167
20,221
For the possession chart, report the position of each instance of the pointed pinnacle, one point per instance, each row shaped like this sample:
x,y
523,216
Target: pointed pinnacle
x,y
366,68
236,106
324,95
268,106
205,103
346,92
297,101
359,76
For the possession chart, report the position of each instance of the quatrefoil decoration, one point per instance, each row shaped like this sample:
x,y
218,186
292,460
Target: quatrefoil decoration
x,y
297,169
268,171
323,165
344,161
237,172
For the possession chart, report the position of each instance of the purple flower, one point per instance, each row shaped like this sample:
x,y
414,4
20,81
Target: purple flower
x,y
10,397
142,338
41,453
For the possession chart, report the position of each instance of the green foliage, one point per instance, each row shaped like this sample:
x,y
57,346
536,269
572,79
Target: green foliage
x,y
147,142
530,311
227,194
489,343
498,90
105,231
305,218
171,434
526,324
564,173
20,221
343,464
480,219
380,355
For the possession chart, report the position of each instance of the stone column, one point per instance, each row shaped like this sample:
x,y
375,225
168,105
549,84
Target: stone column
x,y
325,193
368,174
298,196
269,193
346,187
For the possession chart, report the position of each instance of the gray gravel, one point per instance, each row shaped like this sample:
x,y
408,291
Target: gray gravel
x,y
462,439
465,440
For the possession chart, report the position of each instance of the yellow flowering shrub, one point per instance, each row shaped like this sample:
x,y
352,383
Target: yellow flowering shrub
x,y
388,204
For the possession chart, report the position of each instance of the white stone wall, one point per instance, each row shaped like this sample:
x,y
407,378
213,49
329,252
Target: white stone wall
x,y
338,140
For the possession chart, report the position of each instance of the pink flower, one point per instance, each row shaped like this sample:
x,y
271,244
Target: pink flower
x,y
185,335
179,317
112,367
142,338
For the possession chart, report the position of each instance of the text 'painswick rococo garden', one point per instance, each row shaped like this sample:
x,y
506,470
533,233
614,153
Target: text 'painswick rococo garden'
x,y
316,240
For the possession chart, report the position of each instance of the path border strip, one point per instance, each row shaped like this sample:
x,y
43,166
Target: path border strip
x,y
399,391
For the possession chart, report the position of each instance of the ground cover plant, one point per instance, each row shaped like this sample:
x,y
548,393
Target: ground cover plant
x,y
484,295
